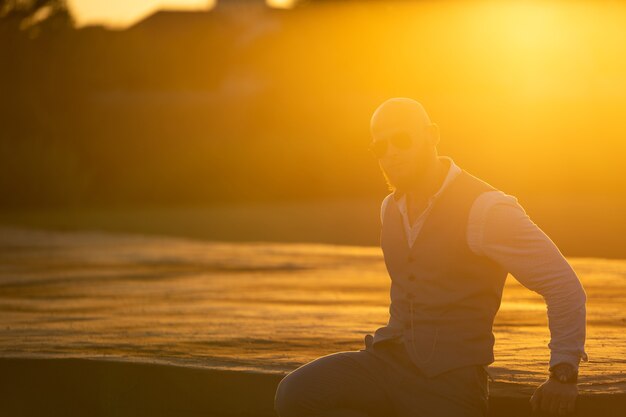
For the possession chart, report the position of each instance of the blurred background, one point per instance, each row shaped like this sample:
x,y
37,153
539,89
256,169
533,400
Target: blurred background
x,y
179,178
248,120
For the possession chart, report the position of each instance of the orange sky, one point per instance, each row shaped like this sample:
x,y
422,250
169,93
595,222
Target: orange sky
x,y
545,77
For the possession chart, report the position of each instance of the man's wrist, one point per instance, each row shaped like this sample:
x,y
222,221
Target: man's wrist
x,y
564,372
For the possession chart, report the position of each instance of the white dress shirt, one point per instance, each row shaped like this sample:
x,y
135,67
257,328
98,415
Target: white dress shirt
x,y
499,228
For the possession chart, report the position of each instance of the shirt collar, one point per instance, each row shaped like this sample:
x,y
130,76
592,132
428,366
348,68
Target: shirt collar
x,y
453,171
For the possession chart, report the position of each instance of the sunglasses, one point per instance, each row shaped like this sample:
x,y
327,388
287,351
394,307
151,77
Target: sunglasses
x,y
401,140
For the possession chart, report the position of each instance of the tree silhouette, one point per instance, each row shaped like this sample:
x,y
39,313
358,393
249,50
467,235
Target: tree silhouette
x,y
34,17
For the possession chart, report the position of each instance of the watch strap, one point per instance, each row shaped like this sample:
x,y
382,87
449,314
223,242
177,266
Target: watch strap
x,y
564,372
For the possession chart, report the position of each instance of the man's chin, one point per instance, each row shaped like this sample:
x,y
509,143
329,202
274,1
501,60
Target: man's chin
x,y
405,185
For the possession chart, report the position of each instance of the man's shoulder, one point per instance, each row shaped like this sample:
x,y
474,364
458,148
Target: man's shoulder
x,y
490,199
488,196
471,181
495,210
485,192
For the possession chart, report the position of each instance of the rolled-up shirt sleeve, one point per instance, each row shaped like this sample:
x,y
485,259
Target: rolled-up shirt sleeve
x,y
501,229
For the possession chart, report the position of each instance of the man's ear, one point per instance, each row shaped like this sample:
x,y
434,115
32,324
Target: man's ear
x,y
433,134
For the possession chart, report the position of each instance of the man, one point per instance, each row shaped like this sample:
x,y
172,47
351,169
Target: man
x,y
449,240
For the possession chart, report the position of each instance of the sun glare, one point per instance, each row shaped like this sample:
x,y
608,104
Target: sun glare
x,y
281,4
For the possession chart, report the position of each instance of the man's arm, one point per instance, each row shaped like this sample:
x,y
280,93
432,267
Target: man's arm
x,y
501,230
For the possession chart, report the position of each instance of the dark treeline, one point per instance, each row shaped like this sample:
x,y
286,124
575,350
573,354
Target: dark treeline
x,y
183,107
39,160
239,103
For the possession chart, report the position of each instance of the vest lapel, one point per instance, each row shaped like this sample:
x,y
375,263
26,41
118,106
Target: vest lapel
x,y
396,197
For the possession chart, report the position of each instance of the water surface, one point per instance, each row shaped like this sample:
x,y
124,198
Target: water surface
x,y
258,306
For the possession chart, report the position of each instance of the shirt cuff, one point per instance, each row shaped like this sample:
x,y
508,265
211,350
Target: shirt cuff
x,y
574,360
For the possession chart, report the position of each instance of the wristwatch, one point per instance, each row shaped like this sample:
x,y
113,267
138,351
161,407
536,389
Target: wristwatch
x,y
564,372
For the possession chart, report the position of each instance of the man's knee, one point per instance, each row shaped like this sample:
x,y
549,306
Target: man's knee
x,y
287,400
317,386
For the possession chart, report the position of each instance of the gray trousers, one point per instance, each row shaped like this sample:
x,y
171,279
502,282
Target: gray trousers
x,y
380,381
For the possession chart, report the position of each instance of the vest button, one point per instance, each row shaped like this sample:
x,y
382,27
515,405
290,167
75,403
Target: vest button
x,y
410,295
410,258
407,325
411,277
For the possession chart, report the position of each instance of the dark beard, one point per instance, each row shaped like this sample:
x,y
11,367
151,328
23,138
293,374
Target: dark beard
x,y
415,179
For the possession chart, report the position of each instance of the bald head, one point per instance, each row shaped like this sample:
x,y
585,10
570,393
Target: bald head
x,y
405,168
399,114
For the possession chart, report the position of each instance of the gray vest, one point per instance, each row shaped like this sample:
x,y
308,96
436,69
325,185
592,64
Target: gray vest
x,y
444,297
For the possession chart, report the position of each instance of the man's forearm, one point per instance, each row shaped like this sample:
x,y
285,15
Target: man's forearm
x,y
567,322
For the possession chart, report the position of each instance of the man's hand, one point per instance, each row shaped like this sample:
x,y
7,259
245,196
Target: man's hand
x,y
555,397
